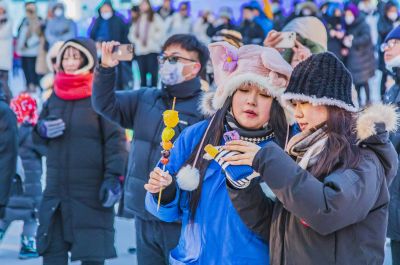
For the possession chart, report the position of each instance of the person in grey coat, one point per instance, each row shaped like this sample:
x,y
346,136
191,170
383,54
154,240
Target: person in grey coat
x,y
183,59
86,160
59,28
331,184
391,56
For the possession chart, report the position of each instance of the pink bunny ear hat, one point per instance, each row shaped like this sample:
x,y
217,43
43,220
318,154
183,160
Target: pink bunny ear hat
x,y
250,64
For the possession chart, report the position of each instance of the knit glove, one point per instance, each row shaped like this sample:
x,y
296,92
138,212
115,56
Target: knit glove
x,y
238,176
51,128
110,191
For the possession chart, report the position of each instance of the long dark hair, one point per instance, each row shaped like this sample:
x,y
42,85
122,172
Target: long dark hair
x,y
150,12
277,122
340,149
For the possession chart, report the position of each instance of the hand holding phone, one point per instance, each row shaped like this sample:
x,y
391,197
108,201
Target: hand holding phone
x,y
288,40
107,59
123,52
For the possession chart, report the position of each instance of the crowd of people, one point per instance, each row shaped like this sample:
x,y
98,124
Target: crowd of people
x,y
275,158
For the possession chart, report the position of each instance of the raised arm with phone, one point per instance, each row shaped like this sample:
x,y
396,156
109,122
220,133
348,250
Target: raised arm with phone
x,y
141,110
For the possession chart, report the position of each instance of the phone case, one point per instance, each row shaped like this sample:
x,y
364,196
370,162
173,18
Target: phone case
x,y
123,52
288,40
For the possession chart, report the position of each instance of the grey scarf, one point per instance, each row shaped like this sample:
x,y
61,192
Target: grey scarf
x,y
306,146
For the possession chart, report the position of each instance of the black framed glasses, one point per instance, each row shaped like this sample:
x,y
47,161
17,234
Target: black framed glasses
x,y
173,59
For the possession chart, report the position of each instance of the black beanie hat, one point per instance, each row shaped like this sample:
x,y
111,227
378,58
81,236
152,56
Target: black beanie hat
x,y
322,79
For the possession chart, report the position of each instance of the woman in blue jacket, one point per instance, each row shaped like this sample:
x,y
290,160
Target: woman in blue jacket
x,y
250,81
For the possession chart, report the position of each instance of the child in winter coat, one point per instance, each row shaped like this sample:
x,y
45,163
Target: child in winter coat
x,y
85,161
331,182
27,188
246,104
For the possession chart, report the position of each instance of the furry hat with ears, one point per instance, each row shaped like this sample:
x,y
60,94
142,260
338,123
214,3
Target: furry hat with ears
x,y
250,64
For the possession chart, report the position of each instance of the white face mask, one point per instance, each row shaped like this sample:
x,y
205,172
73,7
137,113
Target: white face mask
x,y
58,12
392,16
171,74
306,12
106,15
349,19
395,62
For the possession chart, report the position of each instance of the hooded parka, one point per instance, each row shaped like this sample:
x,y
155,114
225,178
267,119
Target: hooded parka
x,y
90,151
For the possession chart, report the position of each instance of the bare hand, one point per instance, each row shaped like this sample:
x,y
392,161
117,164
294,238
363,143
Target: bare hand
x,y
273,38
158,180
248,152
301,53
107,59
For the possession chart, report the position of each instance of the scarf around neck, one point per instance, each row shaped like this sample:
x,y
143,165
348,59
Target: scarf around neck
x,y
306,146
73,87
255,136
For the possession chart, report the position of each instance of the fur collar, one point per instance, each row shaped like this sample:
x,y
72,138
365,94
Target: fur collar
x,y
377,113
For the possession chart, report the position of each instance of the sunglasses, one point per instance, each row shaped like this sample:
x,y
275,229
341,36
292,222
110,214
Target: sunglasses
x,y
172,59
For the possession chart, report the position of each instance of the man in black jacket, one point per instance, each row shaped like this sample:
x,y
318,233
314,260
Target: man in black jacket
x,y
181,63
8,151
392,96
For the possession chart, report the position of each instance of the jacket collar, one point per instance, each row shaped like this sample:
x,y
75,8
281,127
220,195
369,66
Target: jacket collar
x,y
184,90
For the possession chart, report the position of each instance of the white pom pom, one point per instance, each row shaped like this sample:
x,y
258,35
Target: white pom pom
x,y
188,178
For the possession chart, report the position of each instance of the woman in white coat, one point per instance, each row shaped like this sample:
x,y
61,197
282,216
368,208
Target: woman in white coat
x,y
6,50
147,34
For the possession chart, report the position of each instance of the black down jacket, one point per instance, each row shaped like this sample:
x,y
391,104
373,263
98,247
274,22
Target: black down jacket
x,y
392,96
25,198
8,151
361,59
141,110
341,219
91,150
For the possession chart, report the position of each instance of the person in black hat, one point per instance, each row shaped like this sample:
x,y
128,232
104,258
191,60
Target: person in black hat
x,y
331,181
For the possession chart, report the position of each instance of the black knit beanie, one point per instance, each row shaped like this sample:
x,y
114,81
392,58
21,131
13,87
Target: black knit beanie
x,y
322,79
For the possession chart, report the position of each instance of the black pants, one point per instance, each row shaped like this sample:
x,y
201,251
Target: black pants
x,y
28,66
366,88
155,240
395,246
148,64
57,252
4,85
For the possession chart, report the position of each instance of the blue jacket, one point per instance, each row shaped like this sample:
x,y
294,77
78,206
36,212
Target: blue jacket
x,y
217,235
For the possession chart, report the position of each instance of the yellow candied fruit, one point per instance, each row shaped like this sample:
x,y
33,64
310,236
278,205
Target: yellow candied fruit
x,y
211,150
167,145
167,134
171,118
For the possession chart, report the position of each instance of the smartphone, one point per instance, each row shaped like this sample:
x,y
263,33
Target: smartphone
x,y
123,52
288,41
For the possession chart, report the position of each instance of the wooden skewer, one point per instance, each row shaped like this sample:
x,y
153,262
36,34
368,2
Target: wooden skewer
x,y
173,103
160,192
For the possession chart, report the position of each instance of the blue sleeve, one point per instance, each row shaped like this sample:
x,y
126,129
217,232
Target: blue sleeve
x,y
168,212
183,148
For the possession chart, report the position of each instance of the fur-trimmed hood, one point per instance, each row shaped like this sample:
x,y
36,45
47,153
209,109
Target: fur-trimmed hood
x,y
373,128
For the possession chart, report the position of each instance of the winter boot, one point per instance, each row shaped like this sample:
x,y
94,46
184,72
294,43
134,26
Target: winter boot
x,y
28,248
